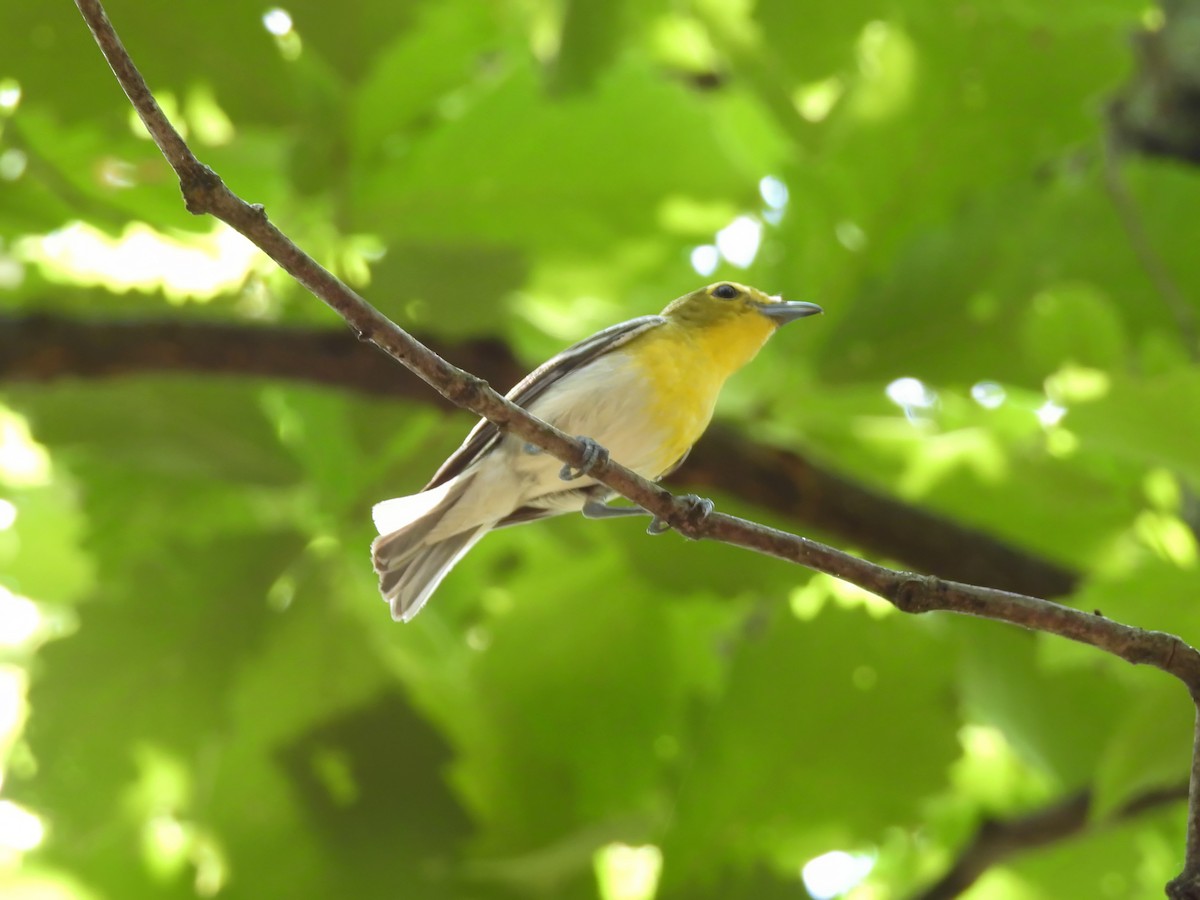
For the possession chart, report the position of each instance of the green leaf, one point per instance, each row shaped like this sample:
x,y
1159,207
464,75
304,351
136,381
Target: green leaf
x,y
1150,750
1076,324
1003,686
1139,420
758,777
642,139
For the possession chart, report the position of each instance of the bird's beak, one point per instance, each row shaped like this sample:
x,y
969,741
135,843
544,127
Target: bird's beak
x,y
784,311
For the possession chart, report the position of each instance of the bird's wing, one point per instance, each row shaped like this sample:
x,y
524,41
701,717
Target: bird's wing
x,y
536,383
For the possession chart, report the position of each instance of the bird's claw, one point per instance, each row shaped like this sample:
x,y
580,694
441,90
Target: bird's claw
x,y
697,511
593,455
658,525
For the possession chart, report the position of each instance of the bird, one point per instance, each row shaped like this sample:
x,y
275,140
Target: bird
x,y
643,391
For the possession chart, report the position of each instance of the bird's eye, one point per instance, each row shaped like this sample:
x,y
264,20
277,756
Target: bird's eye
x,y
725,291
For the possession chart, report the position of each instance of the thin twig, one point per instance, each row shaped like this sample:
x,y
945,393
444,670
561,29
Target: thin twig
x,y
1179,307
204,192
997,840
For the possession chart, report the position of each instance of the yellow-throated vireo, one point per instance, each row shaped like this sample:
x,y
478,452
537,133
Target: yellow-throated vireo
x,y
643,390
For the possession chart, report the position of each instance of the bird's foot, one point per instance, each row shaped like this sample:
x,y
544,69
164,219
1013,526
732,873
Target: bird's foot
x,y
598,509
697,511
593,455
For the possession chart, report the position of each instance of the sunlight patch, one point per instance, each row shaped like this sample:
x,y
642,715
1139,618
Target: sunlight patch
x,y
816,100
20,619
13,681
992,773
850,236
683,42
1162,490
209,122
773,191
1078,384
974,450
20,830
12,164
1168,536
988,394
277,21
887,69
281,27
738,241
628,873
10,95
835,873
1050,413
912,396
23,461
808,601
566,319
194,267
705,260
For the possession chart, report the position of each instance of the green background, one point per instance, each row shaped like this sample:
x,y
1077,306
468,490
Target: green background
x,y
216,702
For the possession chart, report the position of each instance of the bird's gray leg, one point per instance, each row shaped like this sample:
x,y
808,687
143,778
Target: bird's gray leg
x,y
596,509
593,455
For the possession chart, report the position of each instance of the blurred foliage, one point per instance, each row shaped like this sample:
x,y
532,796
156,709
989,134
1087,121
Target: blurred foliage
x,y
216,701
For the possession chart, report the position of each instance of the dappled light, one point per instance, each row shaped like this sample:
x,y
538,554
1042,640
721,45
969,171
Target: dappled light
x,y
835,874
887,70
628,873
1051,413
705,259
279,23
20,619
988,394
13,163
912,396
23,461
201,693
10,95
738,241
20,830
196,267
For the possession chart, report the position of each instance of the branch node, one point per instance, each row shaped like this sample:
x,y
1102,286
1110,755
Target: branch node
x,y
696,511
199,185
466,391
912,593
1186,886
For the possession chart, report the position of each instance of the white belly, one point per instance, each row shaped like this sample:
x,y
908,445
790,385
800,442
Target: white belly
x,y
605,401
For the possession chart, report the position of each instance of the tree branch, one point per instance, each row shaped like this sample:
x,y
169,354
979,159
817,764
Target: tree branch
x,y
997,840
204,192
44,348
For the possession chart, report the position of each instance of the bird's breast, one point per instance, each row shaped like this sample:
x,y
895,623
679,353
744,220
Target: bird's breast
x,y
612,401
686,382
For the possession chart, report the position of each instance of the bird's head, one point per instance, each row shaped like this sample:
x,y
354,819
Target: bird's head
x,y
726,301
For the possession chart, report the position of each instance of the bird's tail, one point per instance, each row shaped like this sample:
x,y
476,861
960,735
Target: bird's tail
x,y
409,564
